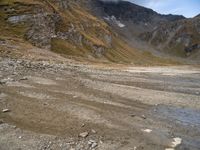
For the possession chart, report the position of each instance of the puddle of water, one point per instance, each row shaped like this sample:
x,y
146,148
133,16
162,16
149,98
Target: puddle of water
x,y
184,116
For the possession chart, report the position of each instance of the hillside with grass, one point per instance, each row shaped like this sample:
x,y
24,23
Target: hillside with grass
x,y
180,38
143,28
68,28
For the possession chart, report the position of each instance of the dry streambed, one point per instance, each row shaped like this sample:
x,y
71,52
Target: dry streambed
x,y
67,106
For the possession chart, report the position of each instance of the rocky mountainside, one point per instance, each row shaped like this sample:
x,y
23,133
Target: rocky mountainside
x,y
125,10
98,30
66,27
171,34
71,78
126,14
181,38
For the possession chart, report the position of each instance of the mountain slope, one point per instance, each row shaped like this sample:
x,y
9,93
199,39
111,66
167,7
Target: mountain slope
x,y
143,28
131,15
181,38
67,27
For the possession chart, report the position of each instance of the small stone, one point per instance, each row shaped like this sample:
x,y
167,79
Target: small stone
x,y
90,142
2,82
143,117
83,125
20,137
14,73
94,145
45,104
5,110
24,78
147,130
177,141
93,131
1,121
84,134
133,115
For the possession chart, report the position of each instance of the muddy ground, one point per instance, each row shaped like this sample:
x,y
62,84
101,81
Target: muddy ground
x,y
69,106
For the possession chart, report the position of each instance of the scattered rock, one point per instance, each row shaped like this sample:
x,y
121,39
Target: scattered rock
x,y
92,143
84,134
45,104
14,73
5,110
83,125
1,121
93,131
133,115
197,93
143,117
75,96
4,81
147,130
2,95
2,42
177,141
24,78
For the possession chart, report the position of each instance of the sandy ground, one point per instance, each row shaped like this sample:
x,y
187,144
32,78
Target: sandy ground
x,y
47,105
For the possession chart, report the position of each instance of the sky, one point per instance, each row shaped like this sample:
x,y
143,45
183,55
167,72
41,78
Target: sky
x,y
187,8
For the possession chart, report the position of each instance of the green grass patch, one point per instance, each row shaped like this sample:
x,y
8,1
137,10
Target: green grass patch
x,y
65,47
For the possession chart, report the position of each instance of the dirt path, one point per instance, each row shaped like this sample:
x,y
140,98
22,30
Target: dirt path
x,y
130,108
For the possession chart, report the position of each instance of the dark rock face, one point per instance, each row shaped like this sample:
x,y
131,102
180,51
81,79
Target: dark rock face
x,y
172,34
125,11
42,29
128,11
192,48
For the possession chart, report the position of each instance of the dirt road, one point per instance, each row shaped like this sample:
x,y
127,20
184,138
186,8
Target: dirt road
x,y
45,105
